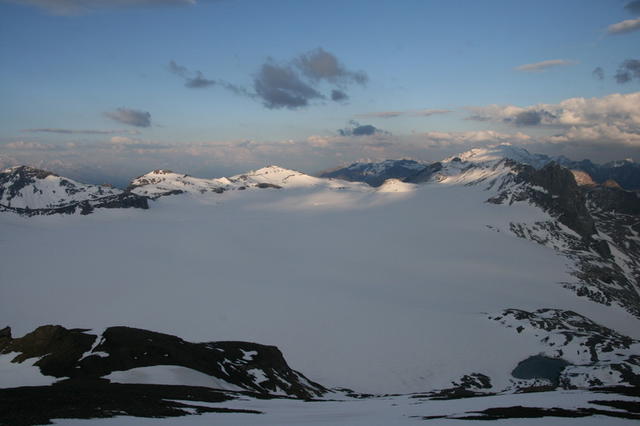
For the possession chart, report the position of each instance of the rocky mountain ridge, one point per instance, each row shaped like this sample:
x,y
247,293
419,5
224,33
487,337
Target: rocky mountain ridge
x,y
624,174
375,174
29,192
165,182
77,354
594,226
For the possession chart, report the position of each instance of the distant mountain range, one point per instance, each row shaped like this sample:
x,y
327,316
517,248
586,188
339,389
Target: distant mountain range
x,y
625,173
32,191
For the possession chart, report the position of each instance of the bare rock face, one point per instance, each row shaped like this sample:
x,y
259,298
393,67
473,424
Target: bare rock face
x,y
58,348
375,174
425,174
562,197
583,178
625,173
79,355
594,226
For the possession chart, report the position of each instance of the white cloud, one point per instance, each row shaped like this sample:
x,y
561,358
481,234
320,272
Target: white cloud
x,y
626,26
614,118
470,138
544,65
597,135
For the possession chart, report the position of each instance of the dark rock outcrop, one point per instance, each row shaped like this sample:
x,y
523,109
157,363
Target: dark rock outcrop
x,y
264,185
563,198
625,174
605,250
58,348
425,174
76,354
90,399
614,199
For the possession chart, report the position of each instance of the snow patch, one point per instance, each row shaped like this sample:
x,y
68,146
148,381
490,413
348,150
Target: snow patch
x,y
26,373
169,375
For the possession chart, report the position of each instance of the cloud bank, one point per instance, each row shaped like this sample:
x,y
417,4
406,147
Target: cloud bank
x,y
612,119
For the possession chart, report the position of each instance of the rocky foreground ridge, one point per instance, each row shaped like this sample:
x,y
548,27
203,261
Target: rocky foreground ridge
x,y
90,373
77,354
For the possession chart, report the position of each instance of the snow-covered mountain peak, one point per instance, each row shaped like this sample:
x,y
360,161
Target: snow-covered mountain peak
x,y
495,153
29,190
480,164
271,169
275,175
26,172
395,185
165,182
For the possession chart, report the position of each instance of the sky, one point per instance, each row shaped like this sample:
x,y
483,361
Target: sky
x,y
111,89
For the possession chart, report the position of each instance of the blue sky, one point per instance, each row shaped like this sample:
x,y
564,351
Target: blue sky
x,y
69,66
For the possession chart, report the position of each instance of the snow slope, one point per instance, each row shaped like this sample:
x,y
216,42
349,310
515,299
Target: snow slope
x,y
373,290
21,374
492,154
23,186
384,411
169,375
